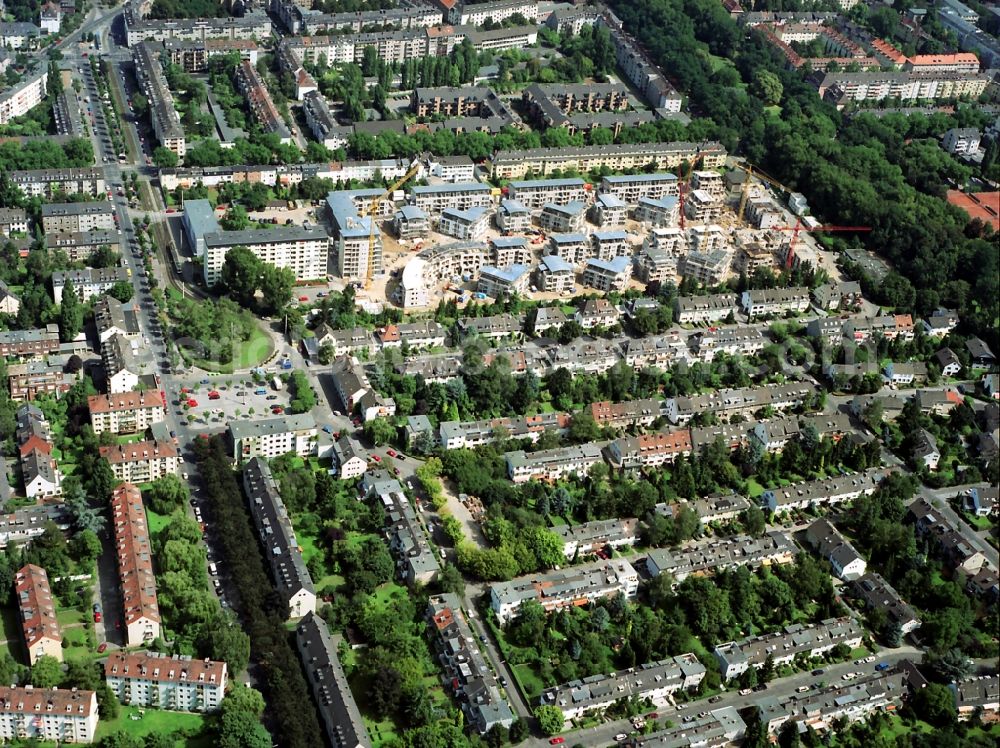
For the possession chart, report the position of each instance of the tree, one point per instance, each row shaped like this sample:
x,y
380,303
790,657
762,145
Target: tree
x,y
935,703
518,731
247,700
550,719
85,546
46,672
241,275
768,87
227,642
166,494
239,729
122,290
276,288
380,431
70,313
754,521
583,428
164,158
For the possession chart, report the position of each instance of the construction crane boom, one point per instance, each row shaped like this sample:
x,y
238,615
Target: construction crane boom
x,y
753,172
821,228
373,215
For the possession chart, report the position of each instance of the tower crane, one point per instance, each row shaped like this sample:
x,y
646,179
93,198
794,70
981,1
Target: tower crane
x,y
753,172
372,214
682,190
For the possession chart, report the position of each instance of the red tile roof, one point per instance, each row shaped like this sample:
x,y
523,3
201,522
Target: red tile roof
x,y
135,558
34,599
124,401
163,668
137,451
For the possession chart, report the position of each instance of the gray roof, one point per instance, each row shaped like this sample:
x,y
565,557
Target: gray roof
x,y
200,216
250,428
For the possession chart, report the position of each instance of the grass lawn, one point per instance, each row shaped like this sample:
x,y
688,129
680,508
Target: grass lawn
x,y
754,488
156,521
248,354
11,624
531,685
69,616
159,722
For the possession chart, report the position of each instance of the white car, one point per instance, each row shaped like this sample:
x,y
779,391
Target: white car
x,y
872,658
621,737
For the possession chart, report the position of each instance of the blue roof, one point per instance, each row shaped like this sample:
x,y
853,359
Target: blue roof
x,y
610,201
530,183
509,274
509,241
469,214
663,176
567,238
433,189
667,202
200,216
571,208
608,235
556,264
412,212
513,206
617,265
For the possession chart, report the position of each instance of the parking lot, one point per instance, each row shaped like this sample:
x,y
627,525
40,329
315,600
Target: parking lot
x,y
230,398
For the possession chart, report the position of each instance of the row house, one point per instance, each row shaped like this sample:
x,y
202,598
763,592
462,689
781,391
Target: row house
x,y
576,586
877,594
48,183
784,646
552,464
420,334
416,561
135,566
141,462
37,611
282,551
465,670
729,340
27,381
708,556
653,682
494,327
823,492
272,437
587,356
955,541
59,715
657,352
170,682
727,403
844,559
764,302
713,308
126,412
597,313
649,450
630,413
24,525
350,342
599,535
978,696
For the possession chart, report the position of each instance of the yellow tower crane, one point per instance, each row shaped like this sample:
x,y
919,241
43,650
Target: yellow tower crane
x,y
752,173
372,214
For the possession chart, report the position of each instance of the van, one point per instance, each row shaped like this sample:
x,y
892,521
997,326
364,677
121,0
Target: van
x,y
801,689
213,569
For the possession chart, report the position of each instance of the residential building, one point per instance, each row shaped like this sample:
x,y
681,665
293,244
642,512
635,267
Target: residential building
x,y
126,412
500,282
170,682
720,508
75,217
652,682
611,244
979,352
597,313
655,264
878,594
535,193
961,141
468,225
353,233
978,696
948,362
23,96
434,199
50,714
87,282
630,188
608,275
303,251
823,492
356,393
24,525
657,211
422,334
708,556
729,340
321,121
272,437
354,341
258,99
194,56
135,566
566,218
122,366
551,464
452,168
608,210
410,222
573,586
416,561
496,11
924,451
19,35
162,111
277,538
554,275
784,646
572,248
625,414
551,317
465,670
641,71
841,87
49,183
141,462
706,267
510,250
950,539
727,403
844,559
513,217
13,220
37,611
327,680
981,501
112,317
713,308
27,381
905,373
764,302
349,458
719,727
597,536
649,450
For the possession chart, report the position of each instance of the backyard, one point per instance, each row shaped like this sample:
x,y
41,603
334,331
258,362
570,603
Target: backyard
x,y
190,730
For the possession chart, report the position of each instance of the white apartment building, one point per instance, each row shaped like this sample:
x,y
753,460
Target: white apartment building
x,y
552,464
87,282
608,210
761,302
55,714
13,220
573,248
499,282
304,251
46,182
657,211
607,275
125,412
433,199
271,437
66,218
554,274
135,566
497,12
467,225
171,682
607,245
534,193
141,462
21,98
513,217
630,187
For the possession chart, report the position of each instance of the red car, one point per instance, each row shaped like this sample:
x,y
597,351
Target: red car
x,y
391,452
557,741
277,410
192,403
97,616
303,298
171,210
376,458
102,648
213,395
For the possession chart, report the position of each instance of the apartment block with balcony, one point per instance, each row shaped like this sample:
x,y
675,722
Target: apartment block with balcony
x,y
171,682
708,556
135,566
551,464
565,218
251,85
141,462
49,182
272,437
37,612
60,715
62,218
125,412
162,112
617,157
607,275
592,537
535,193
468,225
87,282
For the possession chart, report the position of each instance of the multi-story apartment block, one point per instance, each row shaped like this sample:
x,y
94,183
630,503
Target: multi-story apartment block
x,y
708,556
649,450
32,343
50,714
471,434
846,562
702,206
607,210
410,222
500,282
126,412
536,193
303,251
251,26
510,250
654,682
465,668
37,610
327,680
496,11
709,181
87,282
607,275
841,88
259,101
277,537
194,56
122,366
565,218
27,381
823,492
80,245
727,403
706,267
24,96
356,393
599,535
762,302
416,562
625,414
617,157
13,220
272,437
573,586
141,462
554,275
162,111
782,647
468,225
609,244
551,464
353,235
434,199
713,308
655,264
638,68
48,183
553,105
958,62
629,188
64,218
112,317
321,121
513,217
657,211
135,566
573,248
171,682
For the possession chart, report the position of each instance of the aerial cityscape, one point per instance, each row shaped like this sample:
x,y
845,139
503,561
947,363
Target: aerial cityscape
x,y
476,373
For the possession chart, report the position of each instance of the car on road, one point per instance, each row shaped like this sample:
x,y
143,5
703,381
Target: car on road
x,y
102,648
882,666
376,458
260,391
303,298
715,700
97,616
271,397
621,737
277,410
653,715
557,741
327,430
746,691
192,403
801,689
818,671
391,452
